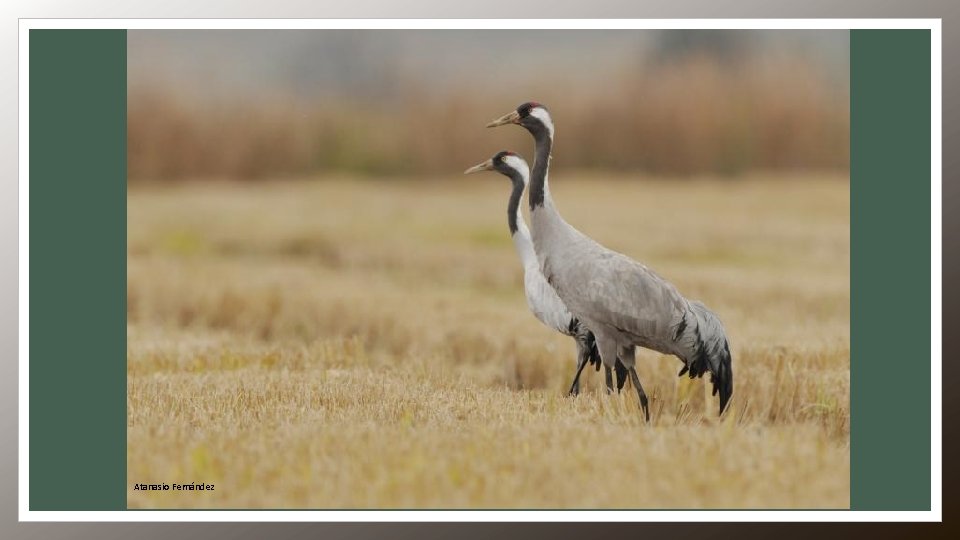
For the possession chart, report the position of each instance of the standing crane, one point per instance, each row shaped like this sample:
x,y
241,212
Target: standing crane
x,y
541,298
623,302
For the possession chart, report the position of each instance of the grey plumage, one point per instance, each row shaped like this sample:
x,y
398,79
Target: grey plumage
x,y
624,303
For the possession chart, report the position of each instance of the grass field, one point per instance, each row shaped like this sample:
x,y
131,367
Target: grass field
x,y
358,344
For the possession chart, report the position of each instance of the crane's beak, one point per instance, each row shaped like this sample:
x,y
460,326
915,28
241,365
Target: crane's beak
x,y
485,166
513,117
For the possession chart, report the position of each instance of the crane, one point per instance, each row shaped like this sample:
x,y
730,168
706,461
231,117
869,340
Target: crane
x,y
541,298
624,303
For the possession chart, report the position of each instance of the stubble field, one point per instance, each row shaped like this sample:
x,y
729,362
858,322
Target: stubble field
x,y
366,344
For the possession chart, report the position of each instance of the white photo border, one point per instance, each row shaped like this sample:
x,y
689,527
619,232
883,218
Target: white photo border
x,y
936,402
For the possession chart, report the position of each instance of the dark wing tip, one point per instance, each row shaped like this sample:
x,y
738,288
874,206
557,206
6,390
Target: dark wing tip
x,y
724,382
724,399
621,374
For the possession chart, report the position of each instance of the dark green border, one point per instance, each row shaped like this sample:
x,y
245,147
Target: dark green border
x,y
78,255
78,228
890,269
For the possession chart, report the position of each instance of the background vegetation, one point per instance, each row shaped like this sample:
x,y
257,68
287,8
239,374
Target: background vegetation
x,y
672,103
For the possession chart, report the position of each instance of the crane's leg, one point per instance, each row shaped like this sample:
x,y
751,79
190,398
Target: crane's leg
x,y
640,393
582,356
628,357
608,354
575,387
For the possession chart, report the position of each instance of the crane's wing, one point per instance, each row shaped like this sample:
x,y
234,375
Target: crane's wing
x,y
607,286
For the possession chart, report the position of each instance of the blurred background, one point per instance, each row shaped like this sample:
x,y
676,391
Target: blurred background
x,y
271,104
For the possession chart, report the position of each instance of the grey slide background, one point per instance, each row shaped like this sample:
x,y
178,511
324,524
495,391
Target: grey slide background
x,y
947,10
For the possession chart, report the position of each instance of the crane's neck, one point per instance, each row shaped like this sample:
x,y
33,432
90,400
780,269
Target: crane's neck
x,y
518,228
514,219
539,192
550,233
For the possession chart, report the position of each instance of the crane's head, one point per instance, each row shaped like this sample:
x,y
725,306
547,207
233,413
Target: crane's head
x,y
531,115
506,163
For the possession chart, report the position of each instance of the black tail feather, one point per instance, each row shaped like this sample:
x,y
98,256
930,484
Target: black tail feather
x,y
595,360
723,378
721,374
621,374
711,353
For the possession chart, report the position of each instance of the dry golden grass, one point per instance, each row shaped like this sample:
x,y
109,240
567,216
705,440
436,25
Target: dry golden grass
x,y
366,344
